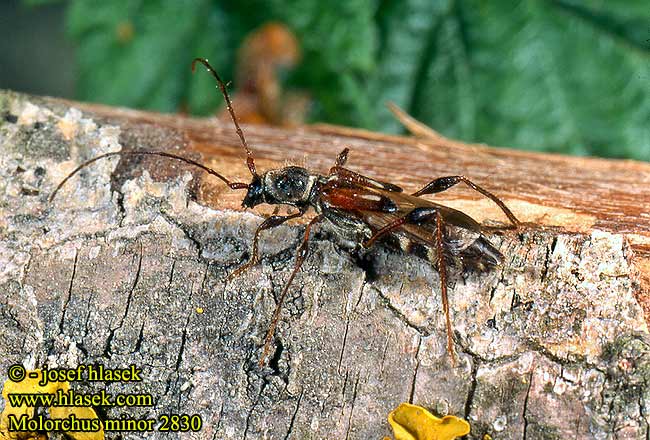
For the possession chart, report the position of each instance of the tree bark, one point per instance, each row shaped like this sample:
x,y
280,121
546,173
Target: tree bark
x,y
128,266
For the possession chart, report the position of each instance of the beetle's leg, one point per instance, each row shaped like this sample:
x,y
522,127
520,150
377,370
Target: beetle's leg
x,y
385,230
420,216
351,176
443,183
271,222
341,158
442,271
301,254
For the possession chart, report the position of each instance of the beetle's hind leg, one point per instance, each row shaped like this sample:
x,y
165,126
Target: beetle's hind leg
x,y
444,183
442,272
420,216
417,216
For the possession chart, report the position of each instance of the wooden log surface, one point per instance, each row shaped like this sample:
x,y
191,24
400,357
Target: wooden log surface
x,y
129,266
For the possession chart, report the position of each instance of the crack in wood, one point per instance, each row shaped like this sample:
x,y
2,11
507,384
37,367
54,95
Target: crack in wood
x,y
179,358
111,334
69,294
472,390
171,276
354,399
524,412
385,301
345,338
219,420
293,417
415,370
138,342
384,352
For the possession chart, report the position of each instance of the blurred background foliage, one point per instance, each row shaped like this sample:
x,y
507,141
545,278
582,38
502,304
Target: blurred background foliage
x,y
565,76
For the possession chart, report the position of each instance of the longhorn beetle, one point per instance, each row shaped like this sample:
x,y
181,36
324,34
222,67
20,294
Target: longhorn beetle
x,y
359,208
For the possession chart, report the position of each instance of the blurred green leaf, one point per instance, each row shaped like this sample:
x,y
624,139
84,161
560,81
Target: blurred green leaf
x,y
561,75
215,43
409,36
534,75
40,2
339,46
135,53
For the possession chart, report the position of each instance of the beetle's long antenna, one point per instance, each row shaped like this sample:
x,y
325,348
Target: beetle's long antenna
x,y
231,185
222,86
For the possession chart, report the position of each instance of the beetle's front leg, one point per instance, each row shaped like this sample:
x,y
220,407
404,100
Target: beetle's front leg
x,y
271,222
301,254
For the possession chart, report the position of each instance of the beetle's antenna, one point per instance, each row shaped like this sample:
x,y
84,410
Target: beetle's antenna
x,y
231,185
222,86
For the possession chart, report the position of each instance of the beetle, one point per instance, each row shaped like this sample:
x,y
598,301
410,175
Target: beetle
x,y
361,209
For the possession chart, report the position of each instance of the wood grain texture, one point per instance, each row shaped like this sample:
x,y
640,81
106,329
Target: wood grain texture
x,y
130,264
606,194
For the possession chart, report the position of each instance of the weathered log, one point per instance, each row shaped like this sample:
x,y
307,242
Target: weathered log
x,y
129,265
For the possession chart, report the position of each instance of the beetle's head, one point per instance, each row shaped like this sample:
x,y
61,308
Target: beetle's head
x,y
255,194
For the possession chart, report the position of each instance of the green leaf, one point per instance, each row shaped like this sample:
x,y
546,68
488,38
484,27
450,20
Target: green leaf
x,y
216,44
560,75
40,2
135,53
409,31
537,75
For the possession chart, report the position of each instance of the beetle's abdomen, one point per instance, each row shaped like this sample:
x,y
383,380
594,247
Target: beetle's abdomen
x,y
480,255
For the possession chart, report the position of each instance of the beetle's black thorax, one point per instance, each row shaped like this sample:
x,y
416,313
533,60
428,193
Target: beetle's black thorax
x,y
285,186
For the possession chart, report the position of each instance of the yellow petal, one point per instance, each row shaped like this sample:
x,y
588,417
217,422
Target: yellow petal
x,y
31,386
412,422
27,385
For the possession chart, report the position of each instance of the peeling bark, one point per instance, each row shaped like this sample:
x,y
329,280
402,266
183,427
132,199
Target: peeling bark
x,y
129,266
